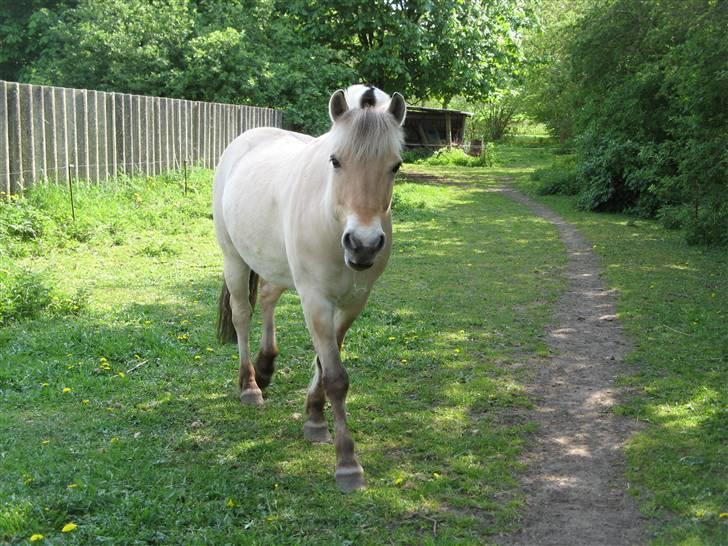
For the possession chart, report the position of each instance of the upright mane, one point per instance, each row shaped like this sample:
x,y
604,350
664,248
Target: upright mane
x,y
367,131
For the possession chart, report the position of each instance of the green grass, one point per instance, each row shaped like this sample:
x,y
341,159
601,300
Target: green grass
x,y
166,453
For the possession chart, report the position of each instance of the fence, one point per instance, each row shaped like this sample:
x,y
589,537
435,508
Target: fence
x,y
51,133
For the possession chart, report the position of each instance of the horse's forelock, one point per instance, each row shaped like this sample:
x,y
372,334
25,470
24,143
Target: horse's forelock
x,y
367,134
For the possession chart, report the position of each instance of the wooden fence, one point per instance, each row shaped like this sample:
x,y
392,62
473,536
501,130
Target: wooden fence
x,y
51,133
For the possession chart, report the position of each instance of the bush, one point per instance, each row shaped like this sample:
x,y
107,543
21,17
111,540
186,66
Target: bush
x,y
416,154
559,178
26,295
457,157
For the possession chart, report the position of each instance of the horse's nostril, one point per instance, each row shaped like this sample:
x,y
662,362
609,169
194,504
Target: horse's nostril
x,y
380,243
349,241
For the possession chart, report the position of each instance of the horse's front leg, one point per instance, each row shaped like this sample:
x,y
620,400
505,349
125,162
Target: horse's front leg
x,y
331,375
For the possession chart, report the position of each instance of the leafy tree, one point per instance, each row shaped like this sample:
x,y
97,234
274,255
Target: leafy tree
x,y
644,87
420,48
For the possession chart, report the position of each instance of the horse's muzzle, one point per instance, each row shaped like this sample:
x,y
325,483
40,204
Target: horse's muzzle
x,y
359,254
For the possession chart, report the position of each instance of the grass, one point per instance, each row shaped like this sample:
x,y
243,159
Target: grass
x,y
673,301
166,453
123,418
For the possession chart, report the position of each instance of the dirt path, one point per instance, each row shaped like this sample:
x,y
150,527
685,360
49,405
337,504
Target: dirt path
x,y
575,485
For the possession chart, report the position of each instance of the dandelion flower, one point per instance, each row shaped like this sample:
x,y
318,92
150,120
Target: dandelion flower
x,y
230,503
68,527
66,390
36,537
121,374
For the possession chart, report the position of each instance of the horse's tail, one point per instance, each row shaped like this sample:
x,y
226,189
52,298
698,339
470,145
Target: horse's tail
x,y
225,328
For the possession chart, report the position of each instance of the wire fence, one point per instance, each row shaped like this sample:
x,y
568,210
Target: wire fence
x,y
55,133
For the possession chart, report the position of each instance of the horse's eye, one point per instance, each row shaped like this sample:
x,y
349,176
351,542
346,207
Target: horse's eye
x,y
335,162
396,167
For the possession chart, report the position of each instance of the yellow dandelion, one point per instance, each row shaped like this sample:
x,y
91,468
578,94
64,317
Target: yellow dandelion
x,y
85,401
68,527
723,515
66,390
121,374
399,481
103,359
36,537
210,350
198,357
230,503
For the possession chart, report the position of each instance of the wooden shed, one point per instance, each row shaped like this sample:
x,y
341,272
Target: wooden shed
x,y
434,127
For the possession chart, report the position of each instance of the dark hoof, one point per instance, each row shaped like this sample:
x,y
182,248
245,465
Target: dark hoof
x,y
252,397
350,478
264,367
316,432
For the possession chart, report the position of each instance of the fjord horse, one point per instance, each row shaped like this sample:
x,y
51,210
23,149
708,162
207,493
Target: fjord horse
x,y
311,214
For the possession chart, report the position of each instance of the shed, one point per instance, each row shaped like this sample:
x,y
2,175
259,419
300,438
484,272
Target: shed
x,y
434,127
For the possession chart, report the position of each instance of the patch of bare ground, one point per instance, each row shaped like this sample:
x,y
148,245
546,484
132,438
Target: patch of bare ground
x,y
574,480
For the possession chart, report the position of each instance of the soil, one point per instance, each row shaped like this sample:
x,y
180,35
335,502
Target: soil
x,y
574,480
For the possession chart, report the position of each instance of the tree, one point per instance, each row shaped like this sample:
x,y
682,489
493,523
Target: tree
x,y
417,47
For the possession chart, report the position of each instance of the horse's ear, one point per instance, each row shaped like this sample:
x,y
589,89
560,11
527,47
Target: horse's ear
x,y
398,108
337,105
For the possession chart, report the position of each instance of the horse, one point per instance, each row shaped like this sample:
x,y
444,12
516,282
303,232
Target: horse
x,y
312,215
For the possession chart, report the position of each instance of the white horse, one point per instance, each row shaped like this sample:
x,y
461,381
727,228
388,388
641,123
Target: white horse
x,y
310,214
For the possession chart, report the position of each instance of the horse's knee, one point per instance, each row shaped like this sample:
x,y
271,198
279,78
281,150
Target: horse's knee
x,y
336,383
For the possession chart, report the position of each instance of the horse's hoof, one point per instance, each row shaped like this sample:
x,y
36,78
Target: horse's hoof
x,y
349,478
252,397
316,432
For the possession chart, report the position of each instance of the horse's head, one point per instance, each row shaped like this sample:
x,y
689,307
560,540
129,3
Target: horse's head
x,y
365,156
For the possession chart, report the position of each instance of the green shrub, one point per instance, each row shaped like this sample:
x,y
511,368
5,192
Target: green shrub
x,y
457,157
26,294
559,178
416,154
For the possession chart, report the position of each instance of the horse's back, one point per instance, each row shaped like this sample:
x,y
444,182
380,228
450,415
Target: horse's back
x,y
251,184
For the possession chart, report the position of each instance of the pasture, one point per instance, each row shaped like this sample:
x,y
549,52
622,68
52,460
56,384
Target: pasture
x,y
120,412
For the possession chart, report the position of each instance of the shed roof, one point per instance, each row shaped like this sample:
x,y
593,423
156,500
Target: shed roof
x,y
425,109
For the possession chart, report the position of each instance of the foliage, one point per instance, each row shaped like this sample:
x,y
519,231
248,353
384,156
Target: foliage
x,y
457,157
288,55
410,45
644,87
560,177
25,294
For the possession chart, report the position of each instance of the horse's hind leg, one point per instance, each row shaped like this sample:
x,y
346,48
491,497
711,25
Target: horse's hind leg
x,y
241,282
264,363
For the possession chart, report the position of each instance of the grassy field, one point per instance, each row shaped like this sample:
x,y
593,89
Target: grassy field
x,y
165,453
119,409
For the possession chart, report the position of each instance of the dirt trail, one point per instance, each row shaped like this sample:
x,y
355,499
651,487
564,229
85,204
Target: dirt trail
x,y
574,482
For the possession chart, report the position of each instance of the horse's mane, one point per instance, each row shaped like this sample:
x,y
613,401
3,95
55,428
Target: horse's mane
x,y
367,134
